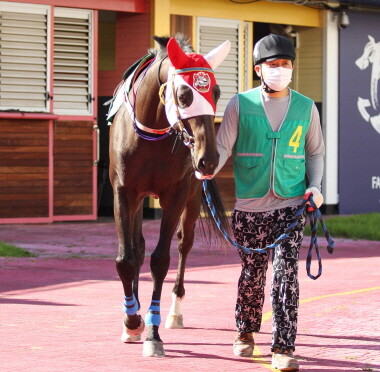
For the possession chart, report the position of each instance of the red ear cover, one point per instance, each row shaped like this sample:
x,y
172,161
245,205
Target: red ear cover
x,y
177,56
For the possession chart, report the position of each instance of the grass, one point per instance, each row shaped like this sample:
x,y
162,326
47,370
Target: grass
x,y
9,250
357,226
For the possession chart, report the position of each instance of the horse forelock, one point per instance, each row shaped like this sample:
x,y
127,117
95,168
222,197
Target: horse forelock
x,y
201,80
162,42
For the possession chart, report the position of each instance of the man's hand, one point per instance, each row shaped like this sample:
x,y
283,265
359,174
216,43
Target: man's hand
x,y
317,196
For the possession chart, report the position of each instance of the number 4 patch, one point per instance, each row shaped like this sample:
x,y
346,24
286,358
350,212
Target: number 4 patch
x,y
295,138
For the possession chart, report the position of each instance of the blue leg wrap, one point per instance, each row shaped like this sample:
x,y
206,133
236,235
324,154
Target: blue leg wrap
x,y
153,316
130,305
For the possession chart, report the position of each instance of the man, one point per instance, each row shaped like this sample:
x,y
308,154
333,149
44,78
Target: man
x,y
275,137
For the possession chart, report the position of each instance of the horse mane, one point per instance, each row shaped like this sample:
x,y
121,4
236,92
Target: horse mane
x,y
161,52
162,41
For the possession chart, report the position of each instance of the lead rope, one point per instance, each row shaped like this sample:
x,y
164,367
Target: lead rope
x,y
314,215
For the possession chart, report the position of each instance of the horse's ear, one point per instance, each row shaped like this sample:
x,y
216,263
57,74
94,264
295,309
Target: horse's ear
x,y
217,55
177,56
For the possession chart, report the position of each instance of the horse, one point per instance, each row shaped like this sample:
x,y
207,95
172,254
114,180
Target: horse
x,y
162,143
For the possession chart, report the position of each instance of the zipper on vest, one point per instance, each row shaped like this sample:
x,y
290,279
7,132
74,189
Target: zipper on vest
x,y
273,164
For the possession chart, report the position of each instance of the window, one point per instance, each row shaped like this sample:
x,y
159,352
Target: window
x,y
25,68
72,57
24,57
211,33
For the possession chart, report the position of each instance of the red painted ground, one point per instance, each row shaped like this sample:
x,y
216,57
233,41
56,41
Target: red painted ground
x,y
62,311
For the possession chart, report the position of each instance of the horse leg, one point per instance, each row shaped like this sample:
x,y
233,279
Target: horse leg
x,y
159,265
185,235
127,264
138,247
138,244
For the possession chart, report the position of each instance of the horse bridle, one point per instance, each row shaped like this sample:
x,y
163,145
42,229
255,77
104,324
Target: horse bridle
x,y
178,128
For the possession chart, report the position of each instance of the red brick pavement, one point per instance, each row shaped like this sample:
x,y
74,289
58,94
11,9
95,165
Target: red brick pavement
x,y
62,311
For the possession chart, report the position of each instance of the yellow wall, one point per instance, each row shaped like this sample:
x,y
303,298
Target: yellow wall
x,y
160,13
261,11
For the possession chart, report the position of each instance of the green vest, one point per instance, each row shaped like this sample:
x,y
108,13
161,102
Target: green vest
x,y
264,159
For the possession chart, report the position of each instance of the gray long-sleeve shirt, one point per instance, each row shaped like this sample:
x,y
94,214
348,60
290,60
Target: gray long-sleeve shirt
x,y
275,109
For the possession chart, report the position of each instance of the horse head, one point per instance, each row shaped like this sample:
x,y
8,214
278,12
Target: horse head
x,y
190,100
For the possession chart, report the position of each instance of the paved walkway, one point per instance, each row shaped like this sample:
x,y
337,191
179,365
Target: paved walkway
x,y
62,311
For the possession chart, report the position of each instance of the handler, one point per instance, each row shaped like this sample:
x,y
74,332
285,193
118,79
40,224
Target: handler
x,y
275,137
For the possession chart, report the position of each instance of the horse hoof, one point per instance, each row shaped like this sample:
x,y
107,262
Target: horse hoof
x,y
133,335
125,337
153,349
174,321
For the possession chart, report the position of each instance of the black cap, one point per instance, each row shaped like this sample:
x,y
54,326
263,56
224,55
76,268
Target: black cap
x,y
273,47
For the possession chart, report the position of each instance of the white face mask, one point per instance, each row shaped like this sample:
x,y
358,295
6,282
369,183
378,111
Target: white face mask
x,y
277,78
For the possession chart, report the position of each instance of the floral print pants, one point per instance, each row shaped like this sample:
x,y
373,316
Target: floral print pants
x,y
257,230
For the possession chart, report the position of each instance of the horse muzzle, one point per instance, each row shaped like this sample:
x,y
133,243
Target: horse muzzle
x,y
202,177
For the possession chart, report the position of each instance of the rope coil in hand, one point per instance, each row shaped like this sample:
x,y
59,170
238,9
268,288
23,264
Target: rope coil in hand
x,y
312,212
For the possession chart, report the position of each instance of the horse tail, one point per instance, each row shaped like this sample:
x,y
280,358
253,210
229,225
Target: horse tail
x,y
216,218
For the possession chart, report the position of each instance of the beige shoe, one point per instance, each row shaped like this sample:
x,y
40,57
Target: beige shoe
x,y
243,344
284,362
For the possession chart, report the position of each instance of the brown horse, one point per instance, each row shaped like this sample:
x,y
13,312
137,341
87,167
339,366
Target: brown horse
x,y
162,134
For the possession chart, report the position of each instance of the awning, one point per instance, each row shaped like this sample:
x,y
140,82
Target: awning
x,y
361,2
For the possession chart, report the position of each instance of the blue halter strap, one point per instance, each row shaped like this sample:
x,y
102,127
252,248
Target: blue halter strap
x,y
192,69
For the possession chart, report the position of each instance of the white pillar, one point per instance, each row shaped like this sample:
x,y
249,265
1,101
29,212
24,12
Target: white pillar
x,y
330,107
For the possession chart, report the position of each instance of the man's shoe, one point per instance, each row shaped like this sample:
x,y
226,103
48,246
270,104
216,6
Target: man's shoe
x,y
243,344
285,362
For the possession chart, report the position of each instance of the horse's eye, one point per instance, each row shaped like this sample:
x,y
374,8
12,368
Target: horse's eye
x,y
184,96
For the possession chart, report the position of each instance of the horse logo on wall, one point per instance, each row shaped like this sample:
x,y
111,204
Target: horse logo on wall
x,y
369,109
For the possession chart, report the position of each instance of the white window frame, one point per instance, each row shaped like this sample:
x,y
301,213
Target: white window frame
x,y
80,14
32,9
6,6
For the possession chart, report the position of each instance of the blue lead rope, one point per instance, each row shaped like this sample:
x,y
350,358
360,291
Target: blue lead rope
x,y
314,216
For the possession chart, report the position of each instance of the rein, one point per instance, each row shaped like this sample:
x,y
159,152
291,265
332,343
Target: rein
x,y
160,134
312,212
142,130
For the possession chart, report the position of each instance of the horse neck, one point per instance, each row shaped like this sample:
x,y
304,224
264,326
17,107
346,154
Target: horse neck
x,y
148,108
